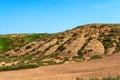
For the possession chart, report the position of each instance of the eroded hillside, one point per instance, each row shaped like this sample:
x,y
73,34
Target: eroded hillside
x,y
81,43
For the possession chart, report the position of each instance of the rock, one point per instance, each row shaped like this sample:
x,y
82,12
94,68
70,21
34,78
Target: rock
x,y
94,47
2,64
110,50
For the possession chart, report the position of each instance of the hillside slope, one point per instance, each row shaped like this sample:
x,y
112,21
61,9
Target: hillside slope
x,y
81,43
105,67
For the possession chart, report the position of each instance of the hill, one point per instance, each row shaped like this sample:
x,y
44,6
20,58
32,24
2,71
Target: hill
x,y
82,43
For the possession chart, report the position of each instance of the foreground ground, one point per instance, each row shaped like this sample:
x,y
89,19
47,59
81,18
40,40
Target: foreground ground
x,y
108,66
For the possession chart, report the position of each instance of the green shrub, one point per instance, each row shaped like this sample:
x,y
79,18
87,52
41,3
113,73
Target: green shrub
x,y
107,42
6,68
25,66
118,47
61,37
66,59
18,67
96,57
49,47
5,44
61,47
53,55
30,37
8,42
80,53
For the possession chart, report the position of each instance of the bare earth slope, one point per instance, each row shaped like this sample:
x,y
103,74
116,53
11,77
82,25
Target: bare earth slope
x,y
108,66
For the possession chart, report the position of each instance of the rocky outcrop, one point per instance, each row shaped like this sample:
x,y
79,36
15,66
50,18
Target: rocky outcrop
x,y
94,47
72,48
111,49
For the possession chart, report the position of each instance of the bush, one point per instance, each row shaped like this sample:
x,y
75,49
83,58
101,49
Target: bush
x,y
18,67
5,44
107,42
61,37
69,51
80,53
75,34
28,47
61,47
78,78
25,66
8,42
118,47
66,59
93,26
96,57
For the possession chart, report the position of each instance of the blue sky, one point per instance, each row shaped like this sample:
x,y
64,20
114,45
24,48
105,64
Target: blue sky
x,y
41,16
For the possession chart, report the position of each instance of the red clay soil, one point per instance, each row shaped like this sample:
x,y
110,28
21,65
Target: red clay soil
x,y
108,66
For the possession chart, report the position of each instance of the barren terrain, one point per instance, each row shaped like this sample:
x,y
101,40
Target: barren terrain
x,y
107,66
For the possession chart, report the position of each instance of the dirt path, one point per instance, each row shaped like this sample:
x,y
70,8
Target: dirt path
x,y
109,66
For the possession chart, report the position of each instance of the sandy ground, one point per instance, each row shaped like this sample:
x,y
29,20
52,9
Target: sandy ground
x,y
108,66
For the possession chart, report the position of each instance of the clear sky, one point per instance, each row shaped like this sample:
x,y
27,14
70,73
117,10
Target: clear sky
x,y
38,16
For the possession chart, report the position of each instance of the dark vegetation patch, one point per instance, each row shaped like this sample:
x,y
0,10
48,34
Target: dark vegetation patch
x,y
96,57
80,51
18,67
8,42
61,47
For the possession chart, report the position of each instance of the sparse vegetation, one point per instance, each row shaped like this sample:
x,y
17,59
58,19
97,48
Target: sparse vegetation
x,y
94,26
18,67
33,55
78,78
107,42
66,59
4,43
69,51
48,48
80,53
75,34
118,47
96,57
8,42
61,37
61,47
50,62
